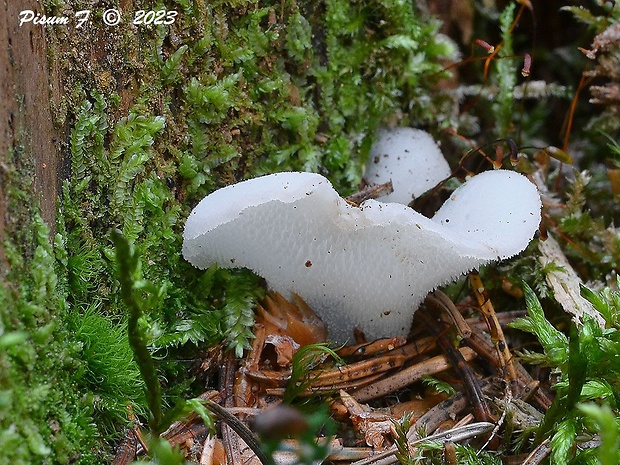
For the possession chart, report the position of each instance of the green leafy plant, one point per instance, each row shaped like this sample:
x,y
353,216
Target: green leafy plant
x,y
402,427
228,314
140,296
305,360
553,342
605,421
587,367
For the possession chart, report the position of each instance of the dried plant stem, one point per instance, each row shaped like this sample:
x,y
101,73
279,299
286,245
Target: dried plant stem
x,y
441,301
495,328
334,377
370,192
408,376
206,458
539,454
565,282
240,428
458,434
232,424
372,348
474,392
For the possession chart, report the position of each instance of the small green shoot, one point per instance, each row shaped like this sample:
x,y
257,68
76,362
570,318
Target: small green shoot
x,y
606,422
506,74
138,295
438,385
305,360
403,452
554,342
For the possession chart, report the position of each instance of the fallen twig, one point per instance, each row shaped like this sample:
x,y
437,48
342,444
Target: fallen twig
x,y
481,410
458,434
408,376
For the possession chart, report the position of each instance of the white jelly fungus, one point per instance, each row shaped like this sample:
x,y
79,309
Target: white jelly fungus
x,y
410,158
368,266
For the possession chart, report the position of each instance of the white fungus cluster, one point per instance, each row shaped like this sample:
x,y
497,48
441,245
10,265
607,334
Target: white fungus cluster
x,y
369,266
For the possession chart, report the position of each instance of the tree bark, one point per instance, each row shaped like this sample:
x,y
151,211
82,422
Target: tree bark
x,y
27,136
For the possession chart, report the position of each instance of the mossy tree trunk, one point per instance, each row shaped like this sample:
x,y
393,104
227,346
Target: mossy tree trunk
x,y
46,72
28,140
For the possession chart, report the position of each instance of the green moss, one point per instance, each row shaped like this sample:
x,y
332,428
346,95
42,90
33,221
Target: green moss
x,y
108,372
586,363
282,87
43,417
506,75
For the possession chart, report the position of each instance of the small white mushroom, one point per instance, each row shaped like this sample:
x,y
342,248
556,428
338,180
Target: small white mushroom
x,y
366,267
410,158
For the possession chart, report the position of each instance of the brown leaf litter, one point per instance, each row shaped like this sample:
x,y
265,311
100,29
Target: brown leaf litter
x,y
462,345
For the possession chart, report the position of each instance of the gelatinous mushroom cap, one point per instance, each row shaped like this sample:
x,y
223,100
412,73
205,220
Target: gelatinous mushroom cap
x,y
368,266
